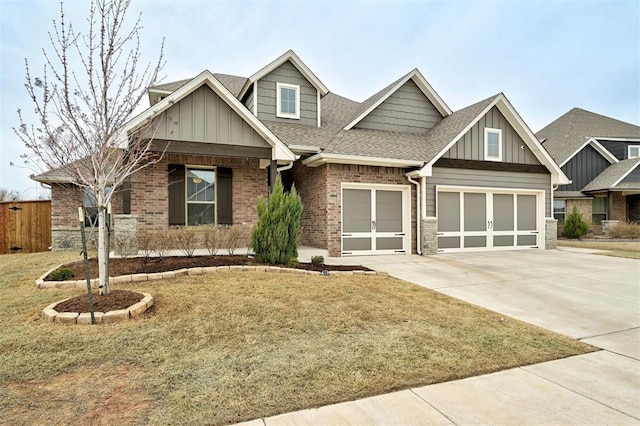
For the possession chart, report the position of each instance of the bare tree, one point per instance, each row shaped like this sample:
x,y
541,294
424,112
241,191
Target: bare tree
x,y
7,195
90,86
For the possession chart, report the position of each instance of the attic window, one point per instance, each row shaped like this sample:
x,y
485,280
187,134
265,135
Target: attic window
x,y
634,151
492,144
288,100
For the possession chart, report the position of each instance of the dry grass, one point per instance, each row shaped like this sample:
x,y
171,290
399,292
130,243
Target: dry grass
x,y
628,249
236,346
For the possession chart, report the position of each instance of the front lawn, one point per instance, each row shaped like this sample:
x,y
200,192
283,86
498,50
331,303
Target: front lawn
x,y
235,346
628,249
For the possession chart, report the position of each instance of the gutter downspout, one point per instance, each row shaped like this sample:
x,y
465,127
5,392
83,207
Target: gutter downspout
x,y
285,167
418,215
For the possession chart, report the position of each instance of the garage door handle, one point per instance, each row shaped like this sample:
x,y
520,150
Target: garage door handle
x,y
373,225
489,224
346,235
401,234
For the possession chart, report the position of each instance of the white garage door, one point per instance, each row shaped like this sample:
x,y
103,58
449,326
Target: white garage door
x,y
375,219
488,219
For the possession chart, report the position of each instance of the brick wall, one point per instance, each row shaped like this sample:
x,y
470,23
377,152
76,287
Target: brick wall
x,y
65,200
339,173
311,184
617,207
150,194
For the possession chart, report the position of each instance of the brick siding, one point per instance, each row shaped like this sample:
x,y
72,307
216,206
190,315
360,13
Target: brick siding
x,y
150,193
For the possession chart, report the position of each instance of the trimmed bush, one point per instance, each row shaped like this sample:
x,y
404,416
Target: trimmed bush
x,y
275,236
317,260
185,238
575,226
61,274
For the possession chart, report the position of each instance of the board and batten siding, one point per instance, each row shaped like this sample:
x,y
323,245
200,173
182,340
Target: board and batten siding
x,y
585,166
619,149
248,99
633,177
406,110
287,73
203,116
471,145
487,179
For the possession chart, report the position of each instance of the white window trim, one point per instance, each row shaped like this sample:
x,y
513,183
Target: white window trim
x,y
186,193
488,130
629,151
279,112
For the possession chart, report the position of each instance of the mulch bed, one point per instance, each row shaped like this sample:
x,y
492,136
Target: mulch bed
x,y
122,299
140,265
115,300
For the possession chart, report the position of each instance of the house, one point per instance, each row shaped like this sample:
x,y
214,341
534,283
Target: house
x,y
601,156
397,173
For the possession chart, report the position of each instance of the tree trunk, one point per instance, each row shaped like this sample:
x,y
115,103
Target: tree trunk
x,y
103,255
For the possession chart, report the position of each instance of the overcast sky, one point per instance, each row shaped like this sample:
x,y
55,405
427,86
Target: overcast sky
x,y
546,56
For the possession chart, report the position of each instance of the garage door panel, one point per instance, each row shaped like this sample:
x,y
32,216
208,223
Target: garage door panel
x,y
390,243
527,217
487,219
356,244
448,242
503,241
527,240
475,241
356,210
388,211
475,212
449,212
503,212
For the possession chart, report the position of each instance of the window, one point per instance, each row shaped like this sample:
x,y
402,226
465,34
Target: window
x,y
492,144
599,210
634,151
288,100
90,205
200,195
559,209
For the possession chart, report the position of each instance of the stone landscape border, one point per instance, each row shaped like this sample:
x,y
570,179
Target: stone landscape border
x,y
51,315
41,283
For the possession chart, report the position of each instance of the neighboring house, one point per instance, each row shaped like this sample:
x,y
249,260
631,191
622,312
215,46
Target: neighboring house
x,y
601,156
397,173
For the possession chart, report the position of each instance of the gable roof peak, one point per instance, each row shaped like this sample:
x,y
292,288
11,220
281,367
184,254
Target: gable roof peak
x,y
295,60
379,97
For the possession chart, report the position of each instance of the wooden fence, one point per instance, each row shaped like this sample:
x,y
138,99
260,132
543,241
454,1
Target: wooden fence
x,y
25,226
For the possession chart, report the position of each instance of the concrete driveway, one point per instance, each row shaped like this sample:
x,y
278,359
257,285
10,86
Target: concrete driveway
x,y
585,296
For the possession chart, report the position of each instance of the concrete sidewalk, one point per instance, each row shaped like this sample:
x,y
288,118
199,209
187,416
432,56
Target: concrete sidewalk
x,y
584,296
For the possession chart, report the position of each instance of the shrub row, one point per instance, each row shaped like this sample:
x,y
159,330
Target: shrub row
x,y
186,239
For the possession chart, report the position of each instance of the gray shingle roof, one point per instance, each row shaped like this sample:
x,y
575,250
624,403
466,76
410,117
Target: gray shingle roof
x,y
568,133
612,174
233,83
338,111
569,194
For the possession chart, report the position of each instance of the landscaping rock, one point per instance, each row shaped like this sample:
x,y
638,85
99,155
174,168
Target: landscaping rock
x,y
116,316
85,317
138,309
67,317
49,315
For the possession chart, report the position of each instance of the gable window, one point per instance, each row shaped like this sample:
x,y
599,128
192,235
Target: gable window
x,y
200,195
599,210
559,209
492,144
288,100
634,151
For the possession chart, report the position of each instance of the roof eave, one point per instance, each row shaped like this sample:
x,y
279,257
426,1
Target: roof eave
x,y
327,158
